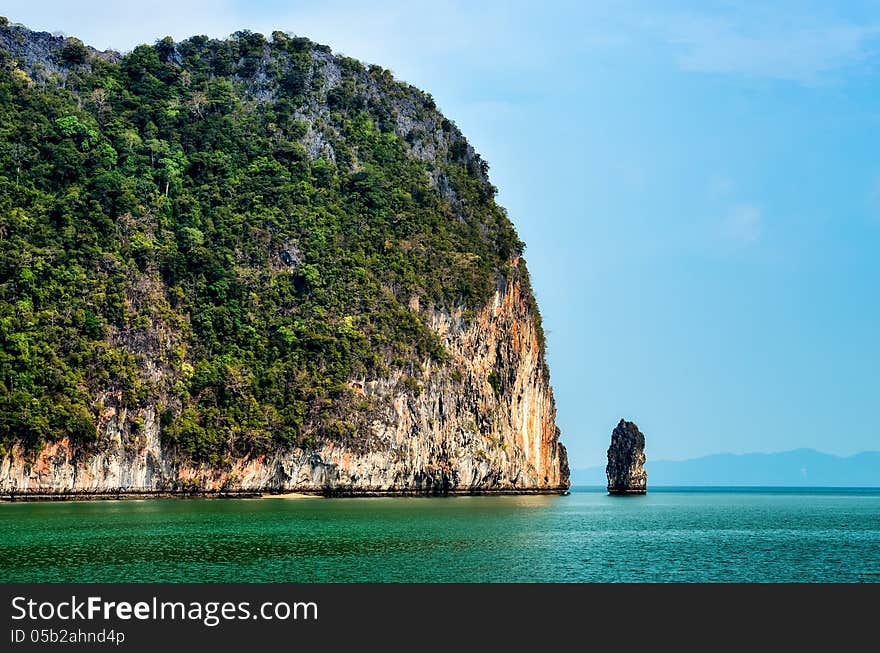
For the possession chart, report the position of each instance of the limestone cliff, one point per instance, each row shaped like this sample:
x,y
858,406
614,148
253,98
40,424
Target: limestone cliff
x,y
626,460
478,418
454,434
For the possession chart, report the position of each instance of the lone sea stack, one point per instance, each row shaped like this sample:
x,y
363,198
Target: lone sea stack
x,y
626,460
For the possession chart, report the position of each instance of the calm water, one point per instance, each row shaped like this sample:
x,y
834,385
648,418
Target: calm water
x,y
730,535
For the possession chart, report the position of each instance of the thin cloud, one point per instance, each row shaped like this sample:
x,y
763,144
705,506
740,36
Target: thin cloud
x,y
720,186
874,201
783,47
122,26
743,225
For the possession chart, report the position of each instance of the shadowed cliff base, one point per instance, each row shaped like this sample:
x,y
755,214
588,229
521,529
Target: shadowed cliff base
x,y
329,492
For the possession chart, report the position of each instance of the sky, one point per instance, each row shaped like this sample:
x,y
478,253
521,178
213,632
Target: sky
x,y
697,183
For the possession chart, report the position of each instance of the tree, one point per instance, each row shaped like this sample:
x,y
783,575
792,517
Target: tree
x,y
74,52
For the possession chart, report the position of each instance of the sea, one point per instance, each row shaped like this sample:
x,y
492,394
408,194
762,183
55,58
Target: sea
x,y
774,535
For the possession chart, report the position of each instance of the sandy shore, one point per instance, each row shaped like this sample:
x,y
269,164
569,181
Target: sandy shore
x,y
291,495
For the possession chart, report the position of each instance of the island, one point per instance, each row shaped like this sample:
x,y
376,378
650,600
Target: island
x,y
626,460
252,265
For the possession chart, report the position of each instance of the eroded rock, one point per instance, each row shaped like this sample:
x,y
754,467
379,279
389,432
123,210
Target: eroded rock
x,y
626,460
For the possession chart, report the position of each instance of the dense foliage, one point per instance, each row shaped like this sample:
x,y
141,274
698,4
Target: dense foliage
x,y
167,239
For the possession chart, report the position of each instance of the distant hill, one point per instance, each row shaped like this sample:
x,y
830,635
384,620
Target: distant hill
x,y
801,467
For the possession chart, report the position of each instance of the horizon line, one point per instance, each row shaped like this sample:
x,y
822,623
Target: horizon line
x,y
750,453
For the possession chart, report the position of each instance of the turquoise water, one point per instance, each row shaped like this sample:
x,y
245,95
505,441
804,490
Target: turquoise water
x,y
687,535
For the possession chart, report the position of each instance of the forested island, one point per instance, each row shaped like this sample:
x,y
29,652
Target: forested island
x,y
254,265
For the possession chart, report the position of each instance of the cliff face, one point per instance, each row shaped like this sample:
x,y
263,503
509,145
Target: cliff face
x,y
396,414
457,433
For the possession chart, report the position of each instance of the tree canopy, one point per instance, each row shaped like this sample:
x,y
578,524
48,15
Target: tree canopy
x,y
167,239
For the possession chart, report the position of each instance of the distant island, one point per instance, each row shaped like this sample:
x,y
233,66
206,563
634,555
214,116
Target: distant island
x,y
798,468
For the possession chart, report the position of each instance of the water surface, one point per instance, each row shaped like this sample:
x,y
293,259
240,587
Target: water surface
x,y
767,535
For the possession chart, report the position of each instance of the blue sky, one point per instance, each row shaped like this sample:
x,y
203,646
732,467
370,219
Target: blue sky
x,y
698,184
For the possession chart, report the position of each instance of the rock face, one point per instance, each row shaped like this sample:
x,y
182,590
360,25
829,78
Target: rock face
x,y
458,434
626,460
482,420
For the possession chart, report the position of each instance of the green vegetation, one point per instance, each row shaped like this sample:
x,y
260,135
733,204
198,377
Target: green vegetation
x,y
166,240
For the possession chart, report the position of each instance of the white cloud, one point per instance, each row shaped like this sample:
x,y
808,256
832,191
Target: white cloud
x,y
743,224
